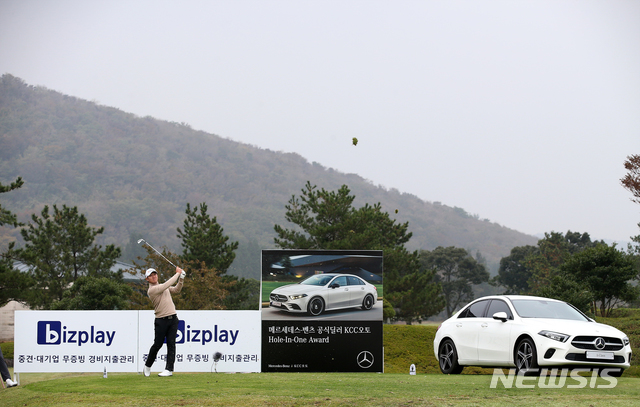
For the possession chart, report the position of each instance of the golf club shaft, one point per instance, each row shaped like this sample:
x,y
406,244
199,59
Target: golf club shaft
x,y
147,243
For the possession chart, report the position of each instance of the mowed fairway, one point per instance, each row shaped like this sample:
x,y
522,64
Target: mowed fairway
x,y
301,389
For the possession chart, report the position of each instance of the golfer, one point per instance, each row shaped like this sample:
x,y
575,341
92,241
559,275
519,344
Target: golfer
x,y
166,323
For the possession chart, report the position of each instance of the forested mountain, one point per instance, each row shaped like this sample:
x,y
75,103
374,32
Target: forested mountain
x,y
135,175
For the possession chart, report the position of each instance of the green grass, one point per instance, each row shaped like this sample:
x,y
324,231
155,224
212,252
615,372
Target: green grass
x,y
268,286
405,345
301,389
7,349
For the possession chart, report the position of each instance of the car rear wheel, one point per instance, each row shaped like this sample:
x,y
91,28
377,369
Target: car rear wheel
x,y
316,306
367,302
448,358
526,357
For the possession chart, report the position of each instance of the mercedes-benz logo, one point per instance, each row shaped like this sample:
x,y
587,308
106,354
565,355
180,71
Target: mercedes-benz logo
x,y
599,343
365,359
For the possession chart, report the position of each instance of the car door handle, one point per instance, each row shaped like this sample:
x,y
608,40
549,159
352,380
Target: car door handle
x,y
484,325
459,324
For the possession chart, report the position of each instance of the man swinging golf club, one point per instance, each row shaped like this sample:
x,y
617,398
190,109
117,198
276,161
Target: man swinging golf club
x,y
166,322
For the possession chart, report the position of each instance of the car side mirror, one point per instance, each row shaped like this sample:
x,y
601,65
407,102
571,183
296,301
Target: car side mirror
x,y
334,285
502,316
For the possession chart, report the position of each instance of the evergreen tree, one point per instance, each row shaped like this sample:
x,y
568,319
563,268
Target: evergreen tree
x,y
59,248
6,217
607,273
457,271
203,289
95,293
327,220
529,269
14,284
203,240
204,243
513,273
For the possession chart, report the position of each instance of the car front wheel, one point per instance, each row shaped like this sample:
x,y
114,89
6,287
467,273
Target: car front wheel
x,y
367,302
316,306
526,357
448,358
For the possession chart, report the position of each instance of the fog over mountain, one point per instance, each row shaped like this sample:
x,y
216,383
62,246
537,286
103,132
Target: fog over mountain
x,y
134,176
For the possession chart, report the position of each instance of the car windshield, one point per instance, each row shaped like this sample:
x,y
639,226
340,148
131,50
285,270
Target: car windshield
x,y
547,309
318,279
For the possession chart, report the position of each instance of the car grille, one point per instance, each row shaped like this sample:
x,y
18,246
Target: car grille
x,y
581,357
277,297
589,343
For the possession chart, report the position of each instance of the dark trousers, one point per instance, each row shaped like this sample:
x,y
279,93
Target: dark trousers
x,y
164,328
4,370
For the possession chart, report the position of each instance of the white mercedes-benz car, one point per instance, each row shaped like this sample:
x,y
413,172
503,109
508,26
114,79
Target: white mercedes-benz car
x,y
527,333
324,292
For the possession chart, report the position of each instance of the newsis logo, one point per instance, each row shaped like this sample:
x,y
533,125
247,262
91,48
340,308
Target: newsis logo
x,y
54,333
188,334
577,378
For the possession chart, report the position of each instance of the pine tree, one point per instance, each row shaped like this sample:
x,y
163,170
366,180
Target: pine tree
x,y
14,284
203,240
328,220
205,243
457,271
59,248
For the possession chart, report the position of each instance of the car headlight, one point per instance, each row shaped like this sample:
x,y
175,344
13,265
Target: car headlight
x,y
297,297
625,341
556,336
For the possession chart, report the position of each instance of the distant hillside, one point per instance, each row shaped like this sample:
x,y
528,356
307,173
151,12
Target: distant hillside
x,y
134,176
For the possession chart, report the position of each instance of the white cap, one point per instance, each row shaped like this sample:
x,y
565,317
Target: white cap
x,y
149,271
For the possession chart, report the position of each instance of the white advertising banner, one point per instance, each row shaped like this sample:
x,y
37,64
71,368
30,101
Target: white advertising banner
x,y
119,341
75,341
235,334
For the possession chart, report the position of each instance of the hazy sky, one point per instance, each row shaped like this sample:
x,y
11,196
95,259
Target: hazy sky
x,y
521,112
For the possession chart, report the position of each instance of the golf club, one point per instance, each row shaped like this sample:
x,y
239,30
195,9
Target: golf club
x,y
147,243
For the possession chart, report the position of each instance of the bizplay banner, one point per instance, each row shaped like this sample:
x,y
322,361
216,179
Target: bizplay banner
x,y
76,341
235,334
119,341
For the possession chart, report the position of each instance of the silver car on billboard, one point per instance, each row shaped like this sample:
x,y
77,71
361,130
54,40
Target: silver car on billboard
x,y
324,292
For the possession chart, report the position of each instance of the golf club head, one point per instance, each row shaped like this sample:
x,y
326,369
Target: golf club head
x,y
141,241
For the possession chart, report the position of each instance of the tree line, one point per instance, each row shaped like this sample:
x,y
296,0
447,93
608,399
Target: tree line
x,y
68,271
